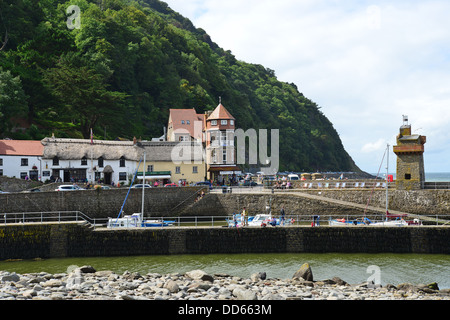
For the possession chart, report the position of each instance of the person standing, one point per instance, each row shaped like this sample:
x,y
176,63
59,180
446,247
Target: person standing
x,y
244,217
283,215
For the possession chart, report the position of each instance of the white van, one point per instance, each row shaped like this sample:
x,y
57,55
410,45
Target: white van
x,y
293,177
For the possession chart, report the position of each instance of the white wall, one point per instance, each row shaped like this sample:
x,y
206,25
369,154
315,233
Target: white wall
x,y
91,168
12,165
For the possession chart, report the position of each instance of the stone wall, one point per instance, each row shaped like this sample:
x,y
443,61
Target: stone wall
x,y
172,202
429,202
102,203
78,240
226,204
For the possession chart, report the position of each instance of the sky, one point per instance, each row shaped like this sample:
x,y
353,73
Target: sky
x,y
365,63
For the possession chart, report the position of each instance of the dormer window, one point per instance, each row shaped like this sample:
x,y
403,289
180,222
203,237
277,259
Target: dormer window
x,y
231,122
56,161
223,122
122,162
84,161
214,122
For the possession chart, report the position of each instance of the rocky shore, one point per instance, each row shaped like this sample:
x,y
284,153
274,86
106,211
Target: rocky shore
x,y
85,283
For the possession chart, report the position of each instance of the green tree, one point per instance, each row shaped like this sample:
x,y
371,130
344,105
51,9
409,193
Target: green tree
x,y
13,101
85,100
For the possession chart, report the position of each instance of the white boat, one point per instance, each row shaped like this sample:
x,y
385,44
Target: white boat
x,y
390,223
260,220
129,221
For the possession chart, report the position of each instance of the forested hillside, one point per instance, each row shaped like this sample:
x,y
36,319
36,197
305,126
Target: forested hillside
x,y
127,64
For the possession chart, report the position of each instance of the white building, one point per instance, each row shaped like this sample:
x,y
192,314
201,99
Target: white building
x,y
81,160
21,159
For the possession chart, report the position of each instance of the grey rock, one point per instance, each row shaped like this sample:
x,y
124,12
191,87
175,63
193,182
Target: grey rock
x,y
199,275
304,272
172,286
13,277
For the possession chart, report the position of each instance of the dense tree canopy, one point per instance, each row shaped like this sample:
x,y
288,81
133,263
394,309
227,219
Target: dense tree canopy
x,y
127,64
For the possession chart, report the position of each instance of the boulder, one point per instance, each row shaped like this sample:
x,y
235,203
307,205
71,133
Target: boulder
x,y
244,294
255,277
13,277
172,286
339,281
304,272
433,286
199,275
407,287
87,269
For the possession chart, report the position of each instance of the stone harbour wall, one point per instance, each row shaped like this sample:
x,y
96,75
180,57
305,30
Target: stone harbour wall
x,y
28,241
173,202
102,203
430,202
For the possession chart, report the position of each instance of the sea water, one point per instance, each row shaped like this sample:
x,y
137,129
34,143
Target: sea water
x,y
352,268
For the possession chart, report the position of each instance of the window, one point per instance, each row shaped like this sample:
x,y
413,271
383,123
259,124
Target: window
x,y
214,122
56,161
182,121
24,162
407,176
100,162
188,122
1,162
23,175
122,162
1,172
178,170
231,122
224,156
223,122
122,176
46,173
194,169
150,168
84,161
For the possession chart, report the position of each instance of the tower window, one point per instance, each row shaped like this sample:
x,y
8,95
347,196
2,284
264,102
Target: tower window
x,y
407,176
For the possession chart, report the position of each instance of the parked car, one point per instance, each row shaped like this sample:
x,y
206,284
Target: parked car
x,y
136,186
97,186
171,185
68,187
249,183
204,183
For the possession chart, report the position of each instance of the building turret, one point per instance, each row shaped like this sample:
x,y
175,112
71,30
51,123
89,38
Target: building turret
x,y
410,164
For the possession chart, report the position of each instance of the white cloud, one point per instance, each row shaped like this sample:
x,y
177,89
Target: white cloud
x,y
366,63
378,145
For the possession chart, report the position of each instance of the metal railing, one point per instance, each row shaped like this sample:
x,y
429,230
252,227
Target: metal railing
x,y
200,221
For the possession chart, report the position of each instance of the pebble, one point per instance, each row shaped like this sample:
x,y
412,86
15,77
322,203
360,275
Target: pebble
x,y
87,284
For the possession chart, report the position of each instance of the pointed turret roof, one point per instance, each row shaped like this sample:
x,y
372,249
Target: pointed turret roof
x,y
220,113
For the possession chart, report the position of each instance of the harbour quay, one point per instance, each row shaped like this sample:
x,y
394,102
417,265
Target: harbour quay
x,y
79,239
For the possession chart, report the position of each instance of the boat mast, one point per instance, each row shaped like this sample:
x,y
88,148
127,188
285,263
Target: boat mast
x,y
143,188
387,179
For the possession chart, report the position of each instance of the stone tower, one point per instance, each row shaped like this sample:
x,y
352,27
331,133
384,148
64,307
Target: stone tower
x,y
410,165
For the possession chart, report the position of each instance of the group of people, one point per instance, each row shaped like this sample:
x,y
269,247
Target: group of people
x,y
282,185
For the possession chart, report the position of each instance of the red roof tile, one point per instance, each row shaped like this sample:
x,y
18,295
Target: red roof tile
x,y
220,113
21,148
185,115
